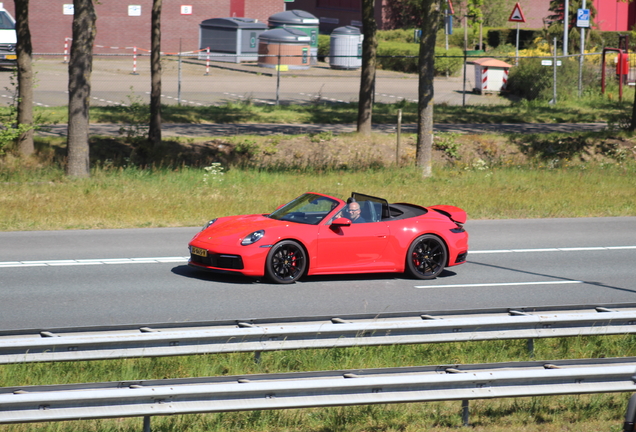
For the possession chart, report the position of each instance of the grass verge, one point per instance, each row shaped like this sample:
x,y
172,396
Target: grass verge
x,y
132,197
593,107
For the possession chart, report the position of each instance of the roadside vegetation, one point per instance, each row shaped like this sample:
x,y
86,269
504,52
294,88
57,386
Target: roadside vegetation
x,y
592,107
492,176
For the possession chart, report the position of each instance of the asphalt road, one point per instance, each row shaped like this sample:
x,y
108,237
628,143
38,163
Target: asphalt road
x,y
57,279
228,129
113,83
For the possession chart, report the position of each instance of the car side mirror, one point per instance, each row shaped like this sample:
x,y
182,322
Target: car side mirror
x,y
341,221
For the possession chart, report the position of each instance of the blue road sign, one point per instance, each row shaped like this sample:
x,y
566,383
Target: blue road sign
x,y
583,18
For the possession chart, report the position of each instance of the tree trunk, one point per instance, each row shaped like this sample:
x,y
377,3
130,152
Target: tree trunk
x,y
154,130
80,67
431,16
367,76
24,52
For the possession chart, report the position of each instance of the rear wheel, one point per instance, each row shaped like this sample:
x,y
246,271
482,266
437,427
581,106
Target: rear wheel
x,y
426,257
286,262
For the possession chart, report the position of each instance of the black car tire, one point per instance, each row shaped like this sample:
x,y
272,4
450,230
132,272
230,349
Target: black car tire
x,y
426,257
286,262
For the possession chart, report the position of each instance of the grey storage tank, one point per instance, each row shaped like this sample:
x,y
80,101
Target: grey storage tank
x,y
345,48
286,47
299,20
230,39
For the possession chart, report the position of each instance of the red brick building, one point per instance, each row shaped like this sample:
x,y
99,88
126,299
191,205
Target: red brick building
x,y
126,23
612,15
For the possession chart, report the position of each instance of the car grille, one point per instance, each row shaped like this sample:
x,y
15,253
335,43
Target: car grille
x,y
234,262
461,257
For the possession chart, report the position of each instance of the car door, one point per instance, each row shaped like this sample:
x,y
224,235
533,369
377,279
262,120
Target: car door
x,y
352,248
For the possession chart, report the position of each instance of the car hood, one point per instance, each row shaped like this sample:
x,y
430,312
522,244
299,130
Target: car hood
x,y
232,229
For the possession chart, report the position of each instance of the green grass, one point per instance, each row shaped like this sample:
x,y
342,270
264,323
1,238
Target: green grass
x,y
590,108
132,197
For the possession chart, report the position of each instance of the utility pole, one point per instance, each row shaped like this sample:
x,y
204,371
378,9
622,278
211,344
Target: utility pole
x,y
566,26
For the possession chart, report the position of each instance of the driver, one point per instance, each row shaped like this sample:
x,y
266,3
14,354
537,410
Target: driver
x,y
353,210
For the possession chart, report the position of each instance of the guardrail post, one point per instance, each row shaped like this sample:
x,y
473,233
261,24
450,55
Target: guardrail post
x,y
630,415
465,412
257,357
146,423
530,347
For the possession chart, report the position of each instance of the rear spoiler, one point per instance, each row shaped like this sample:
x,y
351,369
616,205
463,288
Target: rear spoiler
x,y
453,213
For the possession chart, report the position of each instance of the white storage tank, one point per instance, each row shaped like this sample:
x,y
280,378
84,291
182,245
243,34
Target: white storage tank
x,y
345,48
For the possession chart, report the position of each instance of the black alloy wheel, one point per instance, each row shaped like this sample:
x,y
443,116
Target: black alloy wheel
x,y
286,262
426,257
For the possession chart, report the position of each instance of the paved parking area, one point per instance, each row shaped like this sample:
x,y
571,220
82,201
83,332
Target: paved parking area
x,y
194,83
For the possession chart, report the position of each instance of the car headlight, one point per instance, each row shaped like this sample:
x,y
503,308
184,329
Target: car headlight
x,y
253,238
208,224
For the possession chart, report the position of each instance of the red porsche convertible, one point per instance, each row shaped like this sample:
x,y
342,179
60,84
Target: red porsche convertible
x,y
318,234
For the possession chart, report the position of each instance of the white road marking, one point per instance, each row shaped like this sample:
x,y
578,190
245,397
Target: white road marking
x,y
81,262
573,249
501,284
155,260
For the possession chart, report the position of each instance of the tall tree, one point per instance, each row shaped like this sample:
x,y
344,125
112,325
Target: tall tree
x,y
556,18
431,17
154,131
24,52
80,67
367,75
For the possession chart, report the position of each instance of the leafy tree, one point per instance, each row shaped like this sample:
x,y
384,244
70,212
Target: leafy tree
x,y
367,75
404,13
154,131
476,16
557,15
24,53
496,12
80,67
431,18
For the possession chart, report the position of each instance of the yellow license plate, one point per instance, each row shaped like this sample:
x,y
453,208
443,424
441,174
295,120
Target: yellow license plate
x,y
11,57
199,251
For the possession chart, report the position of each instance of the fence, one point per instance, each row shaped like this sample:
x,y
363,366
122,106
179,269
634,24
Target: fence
x,y
196,80
315,389
326,332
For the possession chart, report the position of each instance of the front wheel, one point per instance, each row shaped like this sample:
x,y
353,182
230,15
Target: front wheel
x,y
426,257
286,262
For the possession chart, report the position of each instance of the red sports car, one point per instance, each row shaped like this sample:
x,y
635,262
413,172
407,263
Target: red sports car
x,y
318,234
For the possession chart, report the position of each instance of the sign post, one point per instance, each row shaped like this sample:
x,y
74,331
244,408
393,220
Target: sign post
x,y
582,22
517,16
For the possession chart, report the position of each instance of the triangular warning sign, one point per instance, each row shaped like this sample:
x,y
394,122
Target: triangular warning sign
x,y
517,14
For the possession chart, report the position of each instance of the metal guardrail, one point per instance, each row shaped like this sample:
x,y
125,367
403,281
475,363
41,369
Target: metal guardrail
x,y
315,389
302,333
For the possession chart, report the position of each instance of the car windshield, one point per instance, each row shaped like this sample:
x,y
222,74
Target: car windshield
x,y
6,23
308,209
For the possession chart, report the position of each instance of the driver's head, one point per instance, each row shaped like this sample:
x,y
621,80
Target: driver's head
x,y
354,210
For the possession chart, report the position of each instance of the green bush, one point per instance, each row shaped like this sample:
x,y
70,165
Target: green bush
x,y
399,35
448,62
531,80
504,36
324,46
402,57
398,56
